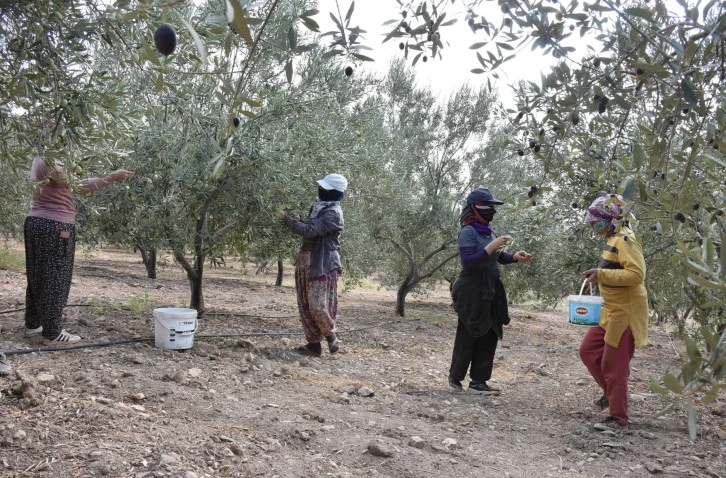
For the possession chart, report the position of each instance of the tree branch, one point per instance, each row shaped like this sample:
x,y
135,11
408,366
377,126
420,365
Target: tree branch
x,y
191,273
217,236
433,271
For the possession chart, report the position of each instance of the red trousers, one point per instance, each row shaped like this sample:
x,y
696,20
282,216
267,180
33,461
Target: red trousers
x,y
610,367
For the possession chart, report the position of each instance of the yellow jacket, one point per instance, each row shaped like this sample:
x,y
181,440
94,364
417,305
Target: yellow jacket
x,y
621,276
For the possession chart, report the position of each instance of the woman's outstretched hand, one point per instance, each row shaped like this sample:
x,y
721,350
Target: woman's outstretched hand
x,y
121,175
523,256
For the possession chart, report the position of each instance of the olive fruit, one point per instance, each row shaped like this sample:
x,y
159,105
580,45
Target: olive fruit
x,y
401,46
679,217
602,105
532,143
596,62
348,70
537,147
165,39
520,152
236,122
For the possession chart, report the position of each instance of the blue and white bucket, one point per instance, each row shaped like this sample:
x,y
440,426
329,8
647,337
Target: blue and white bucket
x,y
585,310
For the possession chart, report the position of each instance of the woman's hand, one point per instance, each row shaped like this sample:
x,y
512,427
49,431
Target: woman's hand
x,y
590,276
523,256
121,175
283,215
500,242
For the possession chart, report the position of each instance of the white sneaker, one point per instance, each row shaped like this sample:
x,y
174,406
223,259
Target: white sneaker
x,y
64,338
5,367
34,335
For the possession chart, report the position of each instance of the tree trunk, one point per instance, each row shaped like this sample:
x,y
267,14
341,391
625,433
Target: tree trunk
x,y
148,257
403,291
197,300
278,281
414,276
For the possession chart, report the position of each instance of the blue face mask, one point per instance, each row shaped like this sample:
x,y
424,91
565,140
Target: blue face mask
x,y
600,226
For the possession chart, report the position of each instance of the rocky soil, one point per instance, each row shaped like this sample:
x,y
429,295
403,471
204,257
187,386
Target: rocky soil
x,y
241,403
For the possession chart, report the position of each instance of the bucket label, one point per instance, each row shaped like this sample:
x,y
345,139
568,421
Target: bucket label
x,y
584,314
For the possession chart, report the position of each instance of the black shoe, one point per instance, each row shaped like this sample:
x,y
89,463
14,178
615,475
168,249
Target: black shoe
x,y
333,343
310,350
482,389
455,384
602,402
610,424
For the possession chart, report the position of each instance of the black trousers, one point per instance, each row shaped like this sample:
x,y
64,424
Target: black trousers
x,y
49,253
475,351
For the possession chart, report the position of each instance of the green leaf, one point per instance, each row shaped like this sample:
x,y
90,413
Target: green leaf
x,y
642,190
688,93
638,156
331,53
478,71
692,421
643,13
150,55
218,168
672,383
250,101
362,57
693,351
656,387
628,188
476,46
159,85
201,48
350,13
311,24
239,22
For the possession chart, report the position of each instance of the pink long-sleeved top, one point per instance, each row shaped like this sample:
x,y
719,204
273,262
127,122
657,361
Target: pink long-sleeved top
x,y
52,198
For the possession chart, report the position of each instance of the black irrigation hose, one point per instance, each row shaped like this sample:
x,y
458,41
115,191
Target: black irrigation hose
x,y
73,347
206,336
20,310
208,313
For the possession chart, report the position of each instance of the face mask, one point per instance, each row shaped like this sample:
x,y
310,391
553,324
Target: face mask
x,y
600,226
486,212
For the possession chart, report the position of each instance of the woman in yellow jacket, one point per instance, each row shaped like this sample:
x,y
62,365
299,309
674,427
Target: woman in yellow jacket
x,y
606,350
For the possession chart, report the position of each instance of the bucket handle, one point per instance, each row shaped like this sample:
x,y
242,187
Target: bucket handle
x,y
583,288
187,332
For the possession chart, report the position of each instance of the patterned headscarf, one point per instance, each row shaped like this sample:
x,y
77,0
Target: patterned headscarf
x,y
605,212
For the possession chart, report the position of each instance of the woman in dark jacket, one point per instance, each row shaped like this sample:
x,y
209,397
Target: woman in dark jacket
x,y
318,265
479,297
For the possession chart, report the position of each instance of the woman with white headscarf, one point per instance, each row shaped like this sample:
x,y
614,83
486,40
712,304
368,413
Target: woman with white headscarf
x,y
318,265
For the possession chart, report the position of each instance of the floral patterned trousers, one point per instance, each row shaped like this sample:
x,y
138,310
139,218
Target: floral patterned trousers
x,y
317,299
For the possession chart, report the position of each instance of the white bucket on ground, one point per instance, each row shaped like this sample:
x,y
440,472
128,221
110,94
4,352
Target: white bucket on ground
x,y
174,328
585,310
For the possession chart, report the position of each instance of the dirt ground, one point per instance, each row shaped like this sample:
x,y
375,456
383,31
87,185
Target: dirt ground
x,y
246,405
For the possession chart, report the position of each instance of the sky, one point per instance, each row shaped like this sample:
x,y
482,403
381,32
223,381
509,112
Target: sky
x,y
443,75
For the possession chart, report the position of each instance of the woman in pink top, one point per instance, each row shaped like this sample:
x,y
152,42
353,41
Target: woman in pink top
x,y
50,242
